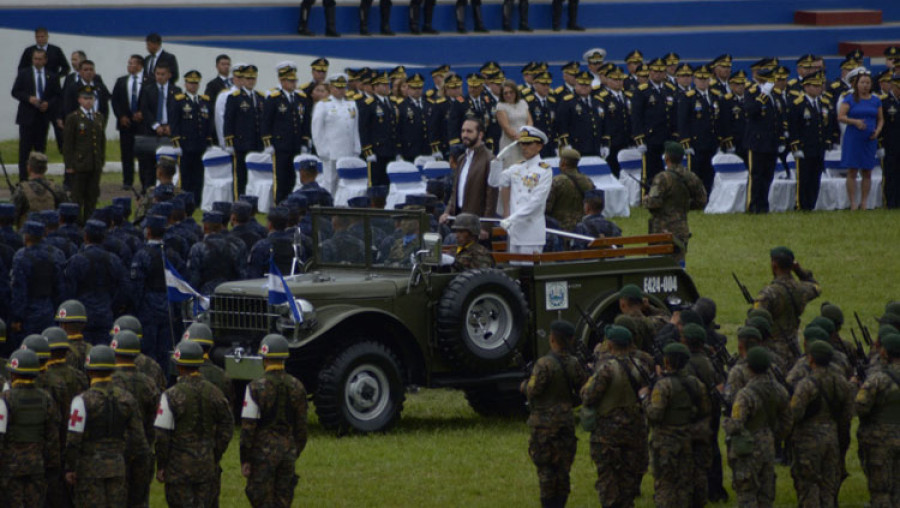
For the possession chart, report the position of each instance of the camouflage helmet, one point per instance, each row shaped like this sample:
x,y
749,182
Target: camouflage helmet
x,y
57,337
39,344
126,343
274,346
100,358
2,331
188,353
24,363
71,311
127,322
467,222
199,333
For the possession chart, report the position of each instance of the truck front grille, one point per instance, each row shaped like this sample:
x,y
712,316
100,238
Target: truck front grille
x,y
240,313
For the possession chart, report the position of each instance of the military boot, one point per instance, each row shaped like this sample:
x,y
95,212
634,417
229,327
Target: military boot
x,y
461,19
414,11
479,23
557,15
363,20
573,17
429,14
507,15
304,20
523,16
385,9
330,29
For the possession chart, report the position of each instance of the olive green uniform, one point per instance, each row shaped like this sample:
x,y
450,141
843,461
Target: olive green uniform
x,y
77,353
564,203
84,152
878,406
672,194
785,299
701,367
35,195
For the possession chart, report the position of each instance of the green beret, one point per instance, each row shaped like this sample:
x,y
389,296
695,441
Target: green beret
x,y
885,330
892,308
674,150
778,252
823,323
691,316
763,313
821,351
891,344
749,332
833,312
631,291
675,349
813,333
760,324
627,322
619,335
693,333
562,327
759,359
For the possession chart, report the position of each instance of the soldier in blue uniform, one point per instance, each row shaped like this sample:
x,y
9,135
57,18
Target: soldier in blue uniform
x,y
633,60
310,188
593,223
813,129
286,128
68,222
126,225
211,261
52,236
578,121
179,227
38,282
279,244
192,128
415,121
734,118
890,140
8,235
378,130
241,128
542,107
616,118
764,139
653,116
117,216
240,224
110,243
189,206
252,223
97,279
700,126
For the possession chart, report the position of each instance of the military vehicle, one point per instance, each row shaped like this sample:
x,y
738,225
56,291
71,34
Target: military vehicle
x,y
381,311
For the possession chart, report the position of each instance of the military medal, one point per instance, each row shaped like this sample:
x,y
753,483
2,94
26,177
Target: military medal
x,y
282,108
806,114
578,108
187,107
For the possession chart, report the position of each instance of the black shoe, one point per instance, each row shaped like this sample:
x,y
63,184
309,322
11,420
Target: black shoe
x,y
430,31
575,28
414,31
304,32
387,31
331,33
126,187
481,29
364,31
525,28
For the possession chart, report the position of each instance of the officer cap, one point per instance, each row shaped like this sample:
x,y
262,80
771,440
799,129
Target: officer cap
x,y
807,60
50,217
694,333
117,214
250,200
491,67
529,69
100,358
398,72
380,78
782,72
377,191
765,62
467,222
849,64
856,54
676,349
86,91
163,209
237,69
94,227
594,56
496,78
103,215
251,71
416,81
594,194
759,359
674,150
684,69
606,68
188,353
177,205
766,74
200,333
456,150
274,346
8,210
309,165
635,56
584,78
889,318
57,338
353,74
702,72
279,213
657,64
192,76
187,197
37,343
338,80
242,210
885,330
891,344
33,228
672,58
749,332
823,323
570,153
814,333
35,216
287,71
885,75
834,313
67,209
642,71
545,78
320,64
821,352
443,69
71,311
473,79
572,68
127,322
213,217
618,335
2,331
631,291
155,222
453,81
723,60
24,363
126,343
563,327
531,134
358,202
761,324
892,52
691,316
738,78
614,72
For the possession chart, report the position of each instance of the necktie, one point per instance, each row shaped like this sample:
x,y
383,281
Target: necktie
x,y
160,104
134,97
227,82
40,85
90,116
816,102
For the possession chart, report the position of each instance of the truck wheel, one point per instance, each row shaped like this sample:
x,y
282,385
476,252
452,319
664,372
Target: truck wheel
x,y
481,319
491,400
360,389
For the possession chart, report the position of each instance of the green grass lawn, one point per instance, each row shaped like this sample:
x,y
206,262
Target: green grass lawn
x,y
442,454
9,149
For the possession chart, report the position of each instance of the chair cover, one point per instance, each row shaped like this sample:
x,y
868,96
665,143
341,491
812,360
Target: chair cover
x,y
632,163
353,179
218,177
615,194
729,191
260,179
405,179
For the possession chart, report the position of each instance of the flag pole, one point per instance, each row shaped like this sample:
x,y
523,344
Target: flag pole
x,y
162,248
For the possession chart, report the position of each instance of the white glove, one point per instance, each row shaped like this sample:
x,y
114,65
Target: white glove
x,y
798,155
505,224
604,152
729,150
767,88
556,152
642,149
371,158
398,158
879,154
269,150
304,149
437,156
177,151
689,151
780,149
229,150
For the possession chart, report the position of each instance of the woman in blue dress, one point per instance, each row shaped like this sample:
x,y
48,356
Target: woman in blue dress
x,y
861,111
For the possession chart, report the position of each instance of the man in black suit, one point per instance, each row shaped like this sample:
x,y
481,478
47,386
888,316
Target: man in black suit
x,y
126,96
56,59
76,58
221,81
37,91
87,75
157,107
158,56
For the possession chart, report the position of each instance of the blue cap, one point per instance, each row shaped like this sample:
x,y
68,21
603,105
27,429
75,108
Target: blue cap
x,y
164,192
252,200
224,207
103,215
177,204
33,228
155,222
301,200
419,199
377,191
164,209
124,202
117,212
7,210
242,210
94,227
308,165
358,202
188,198
50,217
69,209
35,216
594,193
213,217
279,212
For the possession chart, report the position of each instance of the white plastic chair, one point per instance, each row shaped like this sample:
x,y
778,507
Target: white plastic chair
x,y
631,163
260,179
615,194
783,191
434,170
405,179
169,151
352,179
218,177
297,160
729,191
833,185
421,161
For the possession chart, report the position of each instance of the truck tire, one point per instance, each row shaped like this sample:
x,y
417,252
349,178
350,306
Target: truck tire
x,y
360,389
491,400
481,320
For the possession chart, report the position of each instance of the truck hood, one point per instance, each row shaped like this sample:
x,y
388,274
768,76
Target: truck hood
x,y
327,285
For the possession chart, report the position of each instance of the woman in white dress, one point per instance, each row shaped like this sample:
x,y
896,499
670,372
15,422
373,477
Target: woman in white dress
x,y
512,115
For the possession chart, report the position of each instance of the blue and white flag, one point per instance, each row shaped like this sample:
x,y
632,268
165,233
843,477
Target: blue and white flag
x,y
179,290
279,292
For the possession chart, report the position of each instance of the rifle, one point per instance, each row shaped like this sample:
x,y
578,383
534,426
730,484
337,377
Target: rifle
x,y
12,188
643,185
863,329
747,296
649,379
861,358
596,336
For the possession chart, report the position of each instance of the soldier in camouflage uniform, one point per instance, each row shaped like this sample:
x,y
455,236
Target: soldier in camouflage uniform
x,y
273,429
469,253
407,243
693,336
842,352
3,374
29,435
41,347
785,299
759,417
631,304
143,363
739,374
71,316
193,428
672,193
139,473
568,190
37,193
802,368
820,407
202,334
619,440
878,407
675,403
552,392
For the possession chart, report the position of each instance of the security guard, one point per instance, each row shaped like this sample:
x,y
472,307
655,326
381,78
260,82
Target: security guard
x,y
764,139
890,141
542,108
813,130
734,117
616,118
193,428
273,428
700,126
211,261
192,128
578,121
378,130
285,128
653,117
241,127
414,121
633,60
37,280
84,151
144,364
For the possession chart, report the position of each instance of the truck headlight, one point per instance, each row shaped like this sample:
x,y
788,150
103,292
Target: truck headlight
x,y
286,321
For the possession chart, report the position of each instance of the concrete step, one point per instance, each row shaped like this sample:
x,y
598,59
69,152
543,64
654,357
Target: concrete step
x,y
838,17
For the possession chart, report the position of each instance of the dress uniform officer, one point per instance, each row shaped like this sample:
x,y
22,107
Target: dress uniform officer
x,y
700,126
437,125
192,127
454,119
319,69
734,118
721,69
890,140
633,60
413,122
616,119
285,128
542,108
672,60
578,121
335,130
378,130
813,130
529,71
273,428
84,151
684,75
594,59
806,65
764,139
840,86
570,72
37,280
653,117
438,77
241,127
476,104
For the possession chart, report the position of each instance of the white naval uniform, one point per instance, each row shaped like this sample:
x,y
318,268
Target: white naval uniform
x,y
529,184
221,99
335,134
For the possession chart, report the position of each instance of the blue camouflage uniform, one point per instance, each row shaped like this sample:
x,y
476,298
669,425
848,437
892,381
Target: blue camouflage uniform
x,y
39,284
148,286
212,260
97,279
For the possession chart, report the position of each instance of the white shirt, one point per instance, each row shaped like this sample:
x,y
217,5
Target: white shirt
x,y
335,128
463,176
529,184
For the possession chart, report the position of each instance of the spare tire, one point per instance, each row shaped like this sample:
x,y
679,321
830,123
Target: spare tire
x,y
481,320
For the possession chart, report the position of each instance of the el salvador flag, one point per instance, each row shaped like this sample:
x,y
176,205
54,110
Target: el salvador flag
x,y
179,290
279,292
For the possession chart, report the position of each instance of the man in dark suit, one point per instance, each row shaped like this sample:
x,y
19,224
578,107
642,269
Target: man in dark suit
x,y
76,58
87,75
126,97
37,91
471,192
157,107
222,80
158,56
56,59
